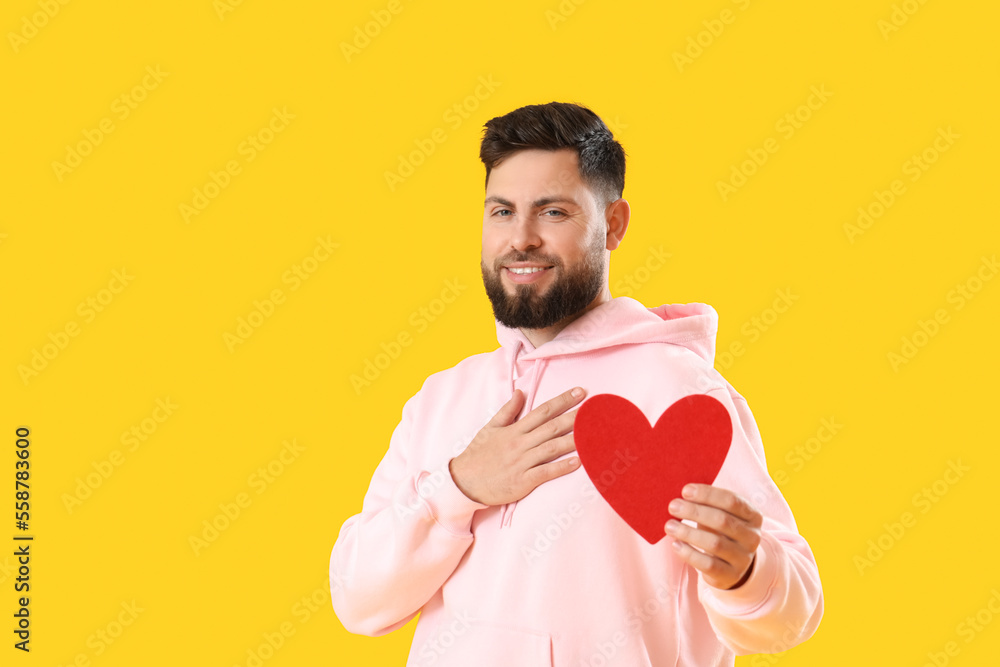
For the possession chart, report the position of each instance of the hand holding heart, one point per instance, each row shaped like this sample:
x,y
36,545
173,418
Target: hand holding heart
x,y
680,456
726,538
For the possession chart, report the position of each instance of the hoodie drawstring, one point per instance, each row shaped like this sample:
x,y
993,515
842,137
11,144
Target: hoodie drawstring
x,y
513,361
537,368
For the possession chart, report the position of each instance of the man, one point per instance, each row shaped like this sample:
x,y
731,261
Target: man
x,y
568,582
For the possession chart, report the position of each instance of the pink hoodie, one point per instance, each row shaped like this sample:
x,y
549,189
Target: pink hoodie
x,y
566,582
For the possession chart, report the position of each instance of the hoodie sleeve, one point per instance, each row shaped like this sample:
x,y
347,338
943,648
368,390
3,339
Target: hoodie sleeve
x,y
413,529
781,603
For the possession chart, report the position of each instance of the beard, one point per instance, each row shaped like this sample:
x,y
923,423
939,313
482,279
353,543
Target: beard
x,y
571,291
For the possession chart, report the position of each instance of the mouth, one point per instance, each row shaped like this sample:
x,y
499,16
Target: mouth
x,y
525,274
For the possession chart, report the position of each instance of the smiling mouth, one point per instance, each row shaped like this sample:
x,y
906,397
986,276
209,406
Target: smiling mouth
x,y
525,270
526,275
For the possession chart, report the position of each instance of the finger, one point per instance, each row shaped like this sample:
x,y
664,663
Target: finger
x,y
712,543
716,572
725,500
550,408
550,450
716,520
548,471
554,428
508,411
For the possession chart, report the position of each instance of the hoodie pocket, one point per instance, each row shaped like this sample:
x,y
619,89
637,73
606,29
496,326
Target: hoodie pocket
x,y
463,644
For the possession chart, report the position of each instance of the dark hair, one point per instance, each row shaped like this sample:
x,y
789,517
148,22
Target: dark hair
x,y
559,125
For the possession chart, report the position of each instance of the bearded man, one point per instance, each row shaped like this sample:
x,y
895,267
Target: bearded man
x,y
567,583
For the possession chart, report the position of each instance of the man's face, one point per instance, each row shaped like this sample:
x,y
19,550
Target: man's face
x,y
540,216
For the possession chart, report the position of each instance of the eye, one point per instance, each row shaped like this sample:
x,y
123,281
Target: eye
x,y
557,213
500,211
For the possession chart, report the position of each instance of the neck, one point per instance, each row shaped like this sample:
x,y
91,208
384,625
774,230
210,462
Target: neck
x,y
539,337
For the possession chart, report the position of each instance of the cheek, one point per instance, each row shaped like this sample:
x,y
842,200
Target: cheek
x,y
494,245
488,256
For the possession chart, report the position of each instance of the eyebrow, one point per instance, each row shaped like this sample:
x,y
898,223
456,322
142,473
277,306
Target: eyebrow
x,y
538,203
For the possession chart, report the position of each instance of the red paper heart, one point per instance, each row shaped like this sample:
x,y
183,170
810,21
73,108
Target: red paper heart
x,y
639,469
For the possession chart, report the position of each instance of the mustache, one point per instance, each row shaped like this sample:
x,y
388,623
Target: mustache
x,y
538,259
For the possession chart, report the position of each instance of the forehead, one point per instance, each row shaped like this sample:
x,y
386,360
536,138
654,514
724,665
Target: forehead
x,y
534,173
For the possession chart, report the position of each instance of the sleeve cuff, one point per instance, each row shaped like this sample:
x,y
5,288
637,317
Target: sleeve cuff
x,y
755,590
448,505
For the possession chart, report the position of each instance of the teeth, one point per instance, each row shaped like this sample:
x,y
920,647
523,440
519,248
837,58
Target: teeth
x,y
522,271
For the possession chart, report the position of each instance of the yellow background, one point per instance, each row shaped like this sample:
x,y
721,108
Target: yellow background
x,y
323,175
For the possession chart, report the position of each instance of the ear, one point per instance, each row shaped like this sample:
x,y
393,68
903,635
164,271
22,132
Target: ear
x,y
617,216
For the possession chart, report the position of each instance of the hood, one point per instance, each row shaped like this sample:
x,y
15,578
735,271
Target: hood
x,y
620,321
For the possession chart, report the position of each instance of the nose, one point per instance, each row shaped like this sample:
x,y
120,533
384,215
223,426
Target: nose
x,y
524,235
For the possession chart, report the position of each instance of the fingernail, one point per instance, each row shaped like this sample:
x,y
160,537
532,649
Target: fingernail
x,y
577,393
675,505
